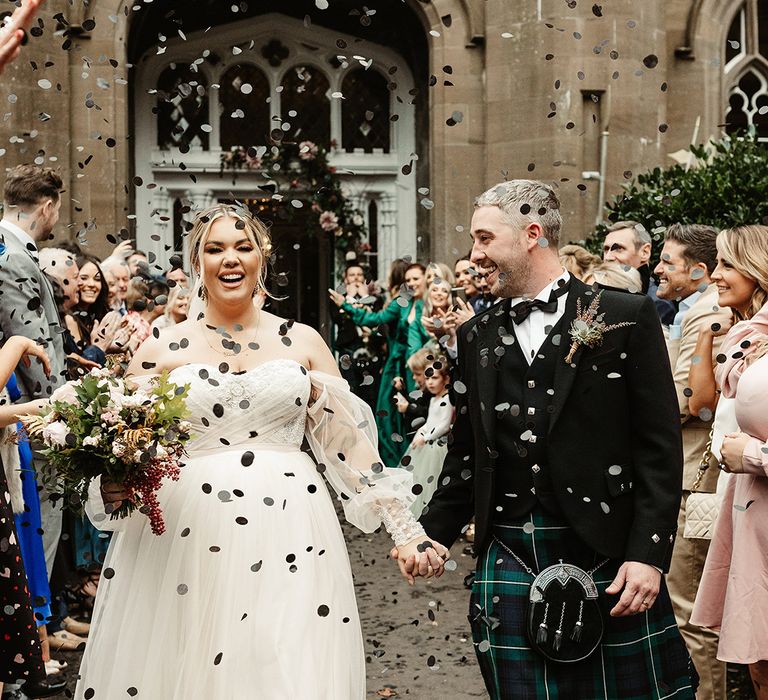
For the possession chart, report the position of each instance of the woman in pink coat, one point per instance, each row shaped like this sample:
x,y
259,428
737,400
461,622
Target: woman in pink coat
x,y
733,595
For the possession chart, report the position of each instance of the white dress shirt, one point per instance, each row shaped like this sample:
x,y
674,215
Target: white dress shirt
x,y
533,331
676,327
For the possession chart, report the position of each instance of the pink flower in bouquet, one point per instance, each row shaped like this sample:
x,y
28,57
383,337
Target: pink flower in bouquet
x,y
110,417
316,207
328,221
308,150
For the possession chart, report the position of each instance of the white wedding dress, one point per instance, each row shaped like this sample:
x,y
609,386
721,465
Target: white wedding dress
x,y
249,592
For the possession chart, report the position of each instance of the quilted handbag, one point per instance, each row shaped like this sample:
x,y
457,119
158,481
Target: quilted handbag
x,y
701,509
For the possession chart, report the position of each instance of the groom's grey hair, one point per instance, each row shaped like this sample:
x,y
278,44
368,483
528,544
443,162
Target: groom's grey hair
x,y
524,201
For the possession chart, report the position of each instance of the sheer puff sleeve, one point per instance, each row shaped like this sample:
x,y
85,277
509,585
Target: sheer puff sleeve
x,y
342,434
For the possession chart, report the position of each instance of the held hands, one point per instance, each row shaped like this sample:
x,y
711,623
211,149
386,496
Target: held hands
x,y
416,559
641,586
732,452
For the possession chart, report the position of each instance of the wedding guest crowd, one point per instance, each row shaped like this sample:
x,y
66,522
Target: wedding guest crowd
x,y
78,312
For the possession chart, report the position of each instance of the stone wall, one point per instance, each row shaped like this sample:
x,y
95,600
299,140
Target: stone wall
x,y
526,100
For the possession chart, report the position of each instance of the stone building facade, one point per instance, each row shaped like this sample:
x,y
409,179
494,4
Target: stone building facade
x,y
428,103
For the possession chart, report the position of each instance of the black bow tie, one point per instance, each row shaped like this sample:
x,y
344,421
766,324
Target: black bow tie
x,y
520,311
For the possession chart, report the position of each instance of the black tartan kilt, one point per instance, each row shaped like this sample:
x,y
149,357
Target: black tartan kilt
x,y
641,657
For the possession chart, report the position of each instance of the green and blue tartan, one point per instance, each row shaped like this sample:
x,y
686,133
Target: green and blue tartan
x,y
641,657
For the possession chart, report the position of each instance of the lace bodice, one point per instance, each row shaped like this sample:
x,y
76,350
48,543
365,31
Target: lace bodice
x,y
266,404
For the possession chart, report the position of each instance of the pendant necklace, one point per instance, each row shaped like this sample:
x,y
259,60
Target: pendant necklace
x,y
229,346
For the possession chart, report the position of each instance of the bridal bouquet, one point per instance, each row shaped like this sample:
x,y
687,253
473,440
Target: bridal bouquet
x,y
102,425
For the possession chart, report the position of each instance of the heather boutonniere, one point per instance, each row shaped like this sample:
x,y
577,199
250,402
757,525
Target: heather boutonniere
x,y
588,328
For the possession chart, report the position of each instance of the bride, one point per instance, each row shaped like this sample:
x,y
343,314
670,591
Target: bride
x,y
249,592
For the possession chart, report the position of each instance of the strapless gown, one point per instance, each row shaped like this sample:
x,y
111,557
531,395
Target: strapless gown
x,y
249,592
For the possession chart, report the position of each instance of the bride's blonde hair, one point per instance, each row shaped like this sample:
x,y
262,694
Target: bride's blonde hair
x,y
254,229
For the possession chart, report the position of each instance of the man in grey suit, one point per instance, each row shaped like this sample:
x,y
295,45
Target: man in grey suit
x,y
31,204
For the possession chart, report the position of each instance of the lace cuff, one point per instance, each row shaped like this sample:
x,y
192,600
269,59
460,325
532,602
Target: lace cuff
x,y
400,523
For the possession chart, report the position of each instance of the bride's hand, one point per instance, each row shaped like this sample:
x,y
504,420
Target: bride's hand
x,y
113,494
414,559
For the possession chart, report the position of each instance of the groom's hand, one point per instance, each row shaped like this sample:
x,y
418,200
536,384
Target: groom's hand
x,y
641,584
416,559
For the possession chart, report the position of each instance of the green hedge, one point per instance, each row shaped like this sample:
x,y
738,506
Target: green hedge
x,y
726,186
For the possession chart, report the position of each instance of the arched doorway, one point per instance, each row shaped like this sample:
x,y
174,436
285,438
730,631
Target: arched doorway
x,y
206,91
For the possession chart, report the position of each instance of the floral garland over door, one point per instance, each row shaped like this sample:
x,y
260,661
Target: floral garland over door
x,y
309,176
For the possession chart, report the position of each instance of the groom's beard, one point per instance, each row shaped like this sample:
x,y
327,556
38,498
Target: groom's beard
x,y
513,279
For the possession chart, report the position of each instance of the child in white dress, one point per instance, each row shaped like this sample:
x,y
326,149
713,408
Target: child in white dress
x,y
430,443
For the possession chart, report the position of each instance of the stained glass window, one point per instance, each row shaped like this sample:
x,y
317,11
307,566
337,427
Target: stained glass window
x,y
244,109
182,108
365,111
306,106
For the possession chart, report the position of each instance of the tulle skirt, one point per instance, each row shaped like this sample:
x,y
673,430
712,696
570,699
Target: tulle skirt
x,y
248,593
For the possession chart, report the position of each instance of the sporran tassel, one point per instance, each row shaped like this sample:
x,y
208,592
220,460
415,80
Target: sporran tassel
x,y
558,641
579,627
543,631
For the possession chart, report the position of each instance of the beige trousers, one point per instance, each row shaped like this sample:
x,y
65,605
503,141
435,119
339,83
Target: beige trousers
x,y
683,579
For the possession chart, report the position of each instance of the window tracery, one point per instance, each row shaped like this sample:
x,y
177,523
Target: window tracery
x,y
746,69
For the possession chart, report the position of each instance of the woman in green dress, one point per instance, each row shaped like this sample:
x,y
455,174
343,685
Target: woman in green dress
x,y
401,313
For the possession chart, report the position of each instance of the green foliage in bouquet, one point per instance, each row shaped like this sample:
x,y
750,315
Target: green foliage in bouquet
x,y
724,185
102,425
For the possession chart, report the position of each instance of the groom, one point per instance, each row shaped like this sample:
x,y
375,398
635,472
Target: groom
x,y
563,453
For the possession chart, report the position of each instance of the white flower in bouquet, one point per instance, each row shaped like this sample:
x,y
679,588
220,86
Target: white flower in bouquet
x,y
132,401
55,433
185,426
91,441
118,448
66,393
357,220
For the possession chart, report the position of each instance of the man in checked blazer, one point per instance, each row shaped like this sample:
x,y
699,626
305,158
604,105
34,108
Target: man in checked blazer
x,y
563,452
31,203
